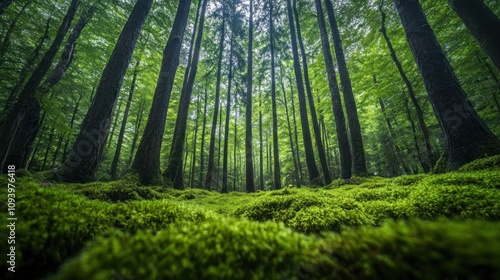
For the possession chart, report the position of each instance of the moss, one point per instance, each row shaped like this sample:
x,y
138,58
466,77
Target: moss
x,y
412,250
23,173
216,249
489,163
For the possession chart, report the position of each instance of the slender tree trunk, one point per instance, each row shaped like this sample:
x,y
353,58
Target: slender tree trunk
x,y
235,175
137,128
27,102
173,173
467,136
430,159
261,154
392,136
71,123
116,158
482,23
312,107
495,90
425,166
294,156
277,171
357,148
314,176
147,159
88,149
249,175
49,145
6,40
115,123
228,113
202,150
193,160
296,134
211,149
30,165
338,112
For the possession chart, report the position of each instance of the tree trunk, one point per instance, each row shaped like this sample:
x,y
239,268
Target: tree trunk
x,y
430,159
137,128
249,175
211,149
235,170
338,112
296,134
277,171
202,150
115,123
147,159
49,145
467,136
261,154
71,123
193,160
425,166
173,173
18,116
228,111
357,148
116,158
482,23
33,117
88,149
314,118
314,176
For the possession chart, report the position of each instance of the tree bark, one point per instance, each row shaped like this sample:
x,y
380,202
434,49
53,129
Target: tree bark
x,y
88,149
211,149
430,159
137,128
482,23
27,102
249,175
173,172
261,154
310,99
357,148
202,150
147,158
338,112
467,136
228,113
314,176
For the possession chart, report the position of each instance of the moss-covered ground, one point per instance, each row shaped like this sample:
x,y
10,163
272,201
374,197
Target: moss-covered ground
x,y
442,226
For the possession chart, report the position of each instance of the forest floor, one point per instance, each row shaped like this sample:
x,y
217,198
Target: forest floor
x,y
442,226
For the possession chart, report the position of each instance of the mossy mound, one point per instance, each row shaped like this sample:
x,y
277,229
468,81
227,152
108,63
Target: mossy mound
x,y
412,250
216,249
229,249
489,163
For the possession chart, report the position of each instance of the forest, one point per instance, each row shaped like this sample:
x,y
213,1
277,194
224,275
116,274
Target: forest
x,y
250,139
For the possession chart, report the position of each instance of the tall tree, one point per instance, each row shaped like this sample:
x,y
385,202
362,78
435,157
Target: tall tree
x,y
430,159
88,148
276,155
338,112
467,136
314,176
28,129
173,172
202,150
249,175
211,150
27,101
147,159
357,148
228,111
482,23
310,99
6,40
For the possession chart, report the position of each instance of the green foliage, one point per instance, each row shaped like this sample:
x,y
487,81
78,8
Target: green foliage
x,y
489,163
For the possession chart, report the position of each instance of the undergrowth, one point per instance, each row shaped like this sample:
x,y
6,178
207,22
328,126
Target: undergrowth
x,y
418,226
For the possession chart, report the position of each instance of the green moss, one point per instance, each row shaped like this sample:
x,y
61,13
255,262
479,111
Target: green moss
x,y
489,163
413,250
216,249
